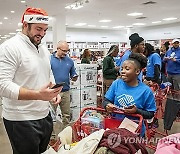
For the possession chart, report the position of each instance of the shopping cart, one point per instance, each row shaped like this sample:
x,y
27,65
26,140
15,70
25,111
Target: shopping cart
x,y
81,129
160,98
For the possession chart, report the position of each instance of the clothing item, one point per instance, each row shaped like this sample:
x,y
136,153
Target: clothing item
x,y
175,40
65,108
35,15
124,58
109,71
119,141
23,65
123,96
171,110
85,61
87,145
29,137
174,80
153,59
106,84
63,69
117,60
169,144
66,136
135,39
173,67
103,150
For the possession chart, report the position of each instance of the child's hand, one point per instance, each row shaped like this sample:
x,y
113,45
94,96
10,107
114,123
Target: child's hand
x,y
130,109
110,107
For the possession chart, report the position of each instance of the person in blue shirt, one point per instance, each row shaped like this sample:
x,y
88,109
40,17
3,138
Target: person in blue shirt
x,y
63,70
153,68
129,93
172,58
137,46
117,60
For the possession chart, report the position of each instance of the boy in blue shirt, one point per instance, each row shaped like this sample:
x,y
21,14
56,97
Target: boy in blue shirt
x,y
137,46
129,93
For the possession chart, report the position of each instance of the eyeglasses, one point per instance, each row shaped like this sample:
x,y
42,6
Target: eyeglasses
x,y
66,51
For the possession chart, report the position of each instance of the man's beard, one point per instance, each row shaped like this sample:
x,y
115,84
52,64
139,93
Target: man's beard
x,y
32,39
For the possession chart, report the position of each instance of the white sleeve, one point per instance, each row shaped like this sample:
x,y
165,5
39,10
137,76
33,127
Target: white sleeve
x,y
51,73
9,62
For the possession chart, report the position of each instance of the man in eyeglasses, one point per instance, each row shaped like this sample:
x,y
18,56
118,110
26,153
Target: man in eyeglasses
x,y
64,71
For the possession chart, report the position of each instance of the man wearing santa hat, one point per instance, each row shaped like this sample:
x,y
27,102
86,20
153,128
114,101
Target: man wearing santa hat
x,y
25,83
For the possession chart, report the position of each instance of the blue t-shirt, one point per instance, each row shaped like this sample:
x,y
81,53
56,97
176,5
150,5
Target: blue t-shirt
x,y
117,60
63,69
173,67
123,95
124,58
153,59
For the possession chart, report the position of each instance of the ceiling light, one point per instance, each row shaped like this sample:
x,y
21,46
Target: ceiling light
x,y
12,11
135,14
129,26
104,26
23,1
5,18
18,30
168,19
12,33
155,22
91,25
1,23
104,20
3,37
139,24
80,24
118,27
7,35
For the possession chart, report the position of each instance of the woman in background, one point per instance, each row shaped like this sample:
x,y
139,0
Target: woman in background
x,y
153,69
86,57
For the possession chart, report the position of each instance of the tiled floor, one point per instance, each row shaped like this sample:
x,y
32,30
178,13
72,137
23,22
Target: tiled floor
x,y
5,147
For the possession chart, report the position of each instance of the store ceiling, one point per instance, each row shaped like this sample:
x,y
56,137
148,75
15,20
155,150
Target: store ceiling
x,y
92,12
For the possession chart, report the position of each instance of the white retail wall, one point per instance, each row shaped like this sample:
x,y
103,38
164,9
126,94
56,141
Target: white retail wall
x,y
91,35
168,31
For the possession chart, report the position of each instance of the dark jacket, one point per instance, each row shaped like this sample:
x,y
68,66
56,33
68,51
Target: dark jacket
x,y
109,71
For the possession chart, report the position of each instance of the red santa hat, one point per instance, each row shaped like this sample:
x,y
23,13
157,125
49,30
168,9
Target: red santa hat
x,y
35,15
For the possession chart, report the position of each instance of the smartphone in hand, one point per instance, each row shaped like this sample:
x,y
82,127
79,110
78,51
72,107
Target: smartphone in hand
x,y
58,85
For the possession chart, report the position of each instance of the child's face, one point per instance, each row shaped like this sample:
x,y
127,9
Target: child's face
x,y
129,71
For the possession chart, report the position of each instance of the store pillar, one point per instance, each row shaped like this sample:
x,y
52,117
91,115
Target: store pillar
x,y
59,29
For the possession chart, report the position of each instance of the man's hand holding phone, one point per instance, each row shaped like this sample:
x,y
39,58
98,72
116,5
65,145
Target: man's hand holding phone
x,y
58,85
